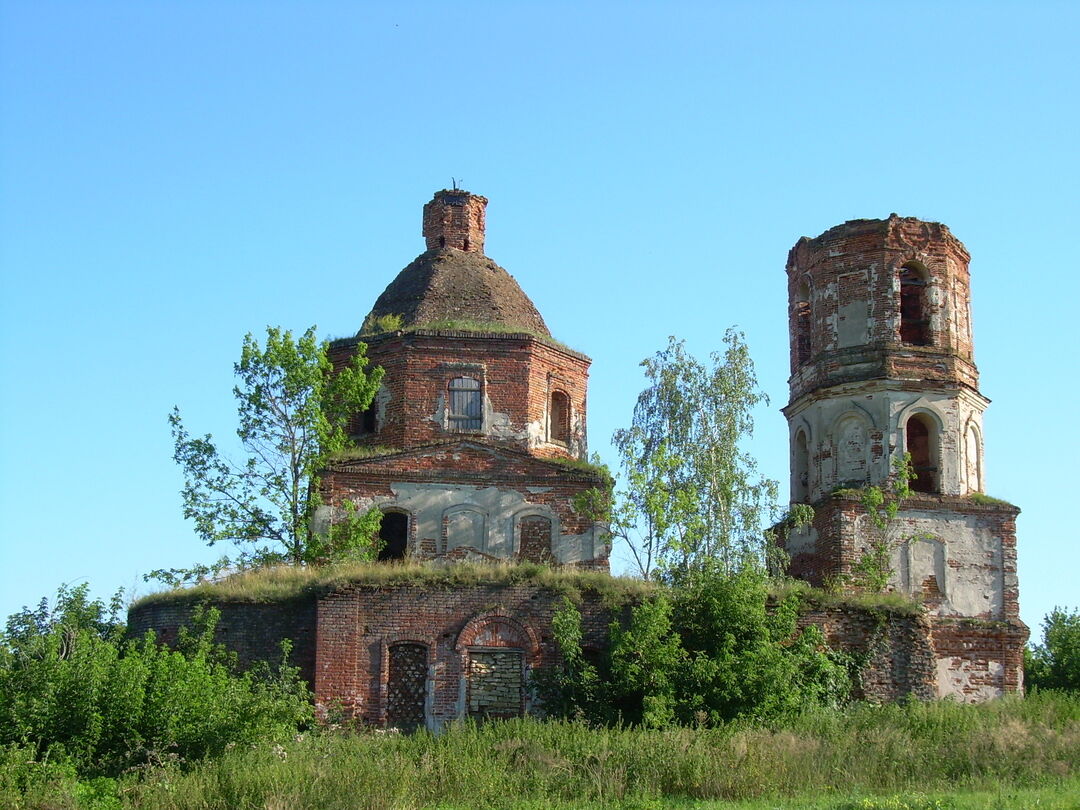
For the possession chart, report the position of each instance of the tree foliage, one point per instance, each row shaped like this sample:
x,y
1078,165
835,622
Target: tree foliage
x,y
691,492
1055,663
74,688
293,409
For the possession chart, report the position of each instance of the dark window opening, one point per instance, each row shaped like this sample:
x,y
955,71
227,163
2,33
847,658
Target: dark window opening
x,y
801,483
393,536
367,423
919,443
465,245
466,412
559,418
442,241
914,326
802,332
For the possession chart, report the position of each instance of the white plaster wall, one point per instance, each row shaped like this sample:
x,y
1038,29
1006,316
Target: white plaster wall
x,y
882,412
969,572
427,504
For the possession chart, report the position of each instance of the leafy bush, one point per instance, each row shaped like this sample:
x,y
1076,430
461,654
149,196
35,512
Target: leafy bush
x,y
1055,664
708,650
74,689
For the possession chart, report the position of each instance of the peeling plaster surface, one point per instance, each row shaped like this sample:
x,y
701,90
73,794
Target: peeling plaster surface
x,y
854,434
964,557
966,680
479,518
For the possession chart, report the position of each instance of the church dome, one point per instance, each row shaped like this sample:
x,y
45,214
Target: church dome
x,y
453,285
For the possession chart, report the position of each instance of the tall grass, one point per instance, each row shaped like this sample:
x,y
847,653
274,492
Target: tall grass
x,y
1007,745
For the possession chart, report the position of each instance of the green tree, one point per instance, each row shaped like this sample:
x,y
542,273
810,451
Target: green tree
x,y
1055,664
293,408
691,493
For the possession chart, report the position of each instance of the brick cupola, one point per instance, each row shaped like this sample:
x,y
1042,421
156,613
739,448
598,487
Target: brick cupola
x,y
455,219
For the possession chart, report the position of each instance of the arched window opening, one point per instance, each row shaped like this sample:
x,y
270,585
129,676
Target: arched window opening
x,y
559,418
393,536
920,437
802,332
466,412
914,324
800,490
973,460
801,313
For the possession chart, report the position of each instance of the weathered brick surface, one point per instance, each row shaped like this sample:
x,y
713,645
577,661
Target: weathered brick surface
x,y
896,651
849,276
358,625
518,374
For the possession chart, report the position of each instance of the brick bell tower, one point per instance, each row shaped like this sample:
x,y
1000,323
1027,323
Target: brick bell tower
x,y
882,364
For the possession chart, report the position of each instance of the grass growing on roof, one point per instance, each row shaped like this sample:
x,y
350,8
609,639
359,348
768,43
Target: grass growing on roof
x,y
285,582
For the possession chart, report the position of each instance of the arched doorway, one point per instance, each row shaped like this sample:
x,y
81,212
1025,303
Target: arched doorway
x,y
394,536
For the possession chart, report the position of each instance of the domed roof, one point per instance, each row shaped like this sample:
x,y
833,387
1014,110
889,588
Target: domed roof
x,y
449,285
453,284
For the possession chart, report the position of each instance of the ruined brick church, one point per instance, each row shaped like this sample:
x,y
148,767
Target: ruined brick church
x,y
472,450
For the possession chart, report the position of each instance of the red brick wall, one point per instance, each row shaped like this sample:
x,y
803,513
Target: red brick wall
x,y
859,260
455,219
518,373
357,626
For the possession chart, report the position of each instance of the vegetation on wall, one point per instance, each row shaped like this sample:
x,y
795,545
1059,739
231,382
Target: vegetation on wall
x,y
708,650
292,409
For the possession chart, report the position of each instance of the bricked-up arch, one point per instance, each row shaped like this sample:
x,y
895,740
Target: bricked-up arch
x,y
914,318
534,539
394,535
465,411
465,527
851,435
559,418
497,653
406,685
922,440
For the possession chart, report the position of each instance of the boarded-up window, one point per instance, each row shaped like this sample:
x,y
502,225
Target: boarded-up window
x,y
466,411
535,539
495,683
914,325
465,528
406,686
559,418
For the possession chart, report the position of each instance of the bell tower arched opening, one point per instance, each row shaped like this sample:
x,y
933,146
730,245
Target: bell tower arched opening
x,y
920,441
914,323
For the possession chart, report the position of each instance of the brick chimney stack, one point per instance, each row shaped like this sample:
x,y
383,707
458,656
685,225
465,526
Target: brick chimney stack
x,y
455,219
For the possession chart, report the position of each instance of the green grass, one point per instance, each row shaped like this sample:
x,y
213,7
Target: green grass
x,y
932,756
894,603
287,582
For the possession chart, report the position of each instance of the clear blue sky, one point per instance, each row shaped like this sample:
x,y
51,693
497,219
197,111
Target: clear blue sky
x,y
173,175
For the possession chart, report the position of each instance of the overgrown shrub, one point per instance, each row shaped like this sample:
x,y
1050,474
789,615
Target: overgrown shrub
x,y
707,650
74,689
